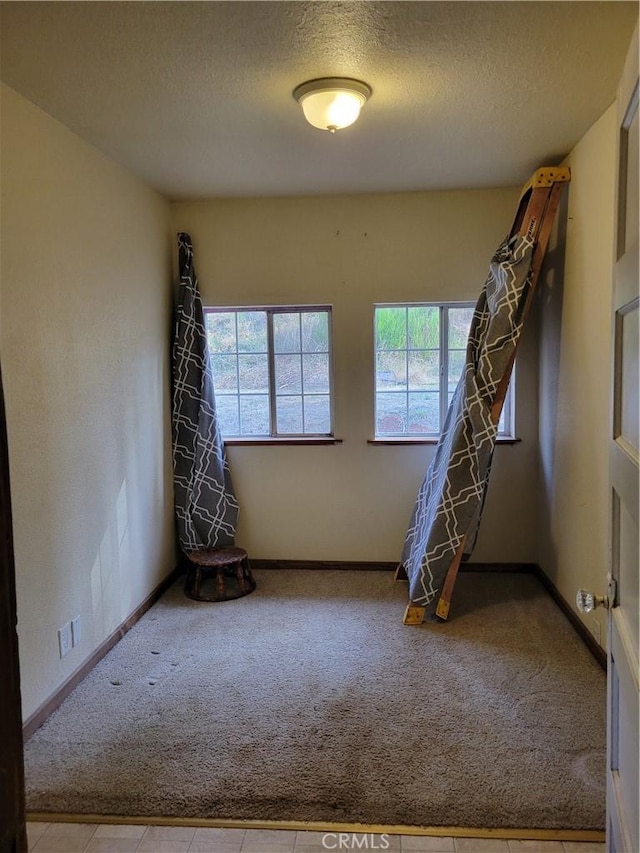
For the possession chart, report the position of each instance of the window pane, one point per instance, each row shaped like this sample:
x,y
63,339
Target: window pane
x,y
288,374
221,331
316,373
424,327
451,390
424,370
317,414
225,372
424,413
391,370
254,414
456,365
391,414
254,373
315,331
459,323
227,413
252,331
286,332
289,415
391,328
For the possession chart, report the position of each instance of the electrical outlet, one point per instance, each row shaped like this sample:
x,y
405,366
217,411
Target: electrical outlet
x,y
76,631
64,639
595,630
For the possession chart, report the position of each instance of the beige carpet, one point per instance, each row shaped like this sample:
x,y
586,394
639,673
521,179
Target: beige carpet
x,y
309,700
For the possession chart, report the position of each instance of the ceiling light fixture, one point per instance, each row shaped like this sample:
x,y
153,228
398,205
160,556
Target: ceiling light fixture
x,y
332,103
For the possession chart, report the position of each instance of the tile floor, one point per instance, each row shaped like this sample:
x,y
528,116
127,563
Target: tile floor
x,y
111,838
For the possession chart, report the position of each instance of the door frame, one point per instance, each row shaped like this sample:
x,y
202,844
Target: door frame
x,y
13,838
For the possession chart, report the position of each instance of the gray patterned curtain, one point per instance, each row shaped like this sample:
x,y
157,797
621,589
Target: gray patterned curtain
x,y
450,500
206,506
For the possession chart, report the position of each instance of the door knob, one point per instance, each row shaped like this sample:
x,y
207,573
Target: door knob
x,y
588,601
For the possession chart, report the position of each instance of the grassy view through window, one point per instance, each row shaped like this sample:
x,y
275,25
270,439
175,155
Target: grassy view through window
x,y
420,356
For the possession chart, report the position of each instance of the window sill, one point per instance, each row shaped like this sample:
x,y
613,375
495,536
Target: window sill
x,y
256,442
399,440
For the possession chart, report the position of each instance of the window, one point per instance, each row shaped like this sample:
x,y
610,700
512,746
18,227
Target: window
x,y
420,354
272,370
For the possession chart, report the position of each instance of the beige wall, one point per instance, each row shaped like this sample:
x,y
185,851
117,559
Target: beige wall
x,y
85,323
574,375
353,501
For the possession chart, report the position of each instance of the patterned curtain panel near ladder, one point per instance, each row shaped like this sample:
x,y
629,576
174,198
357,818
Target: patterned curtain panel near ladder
x,y
206,506
450,500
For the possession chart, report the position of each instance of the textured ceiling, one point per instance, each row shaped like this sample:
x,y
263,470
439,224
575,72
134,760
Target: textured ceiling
x,y
195,97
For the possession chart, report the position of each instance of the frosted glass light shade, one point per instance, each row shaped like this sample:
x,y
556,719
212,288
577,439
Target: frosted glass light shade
x,y
332,103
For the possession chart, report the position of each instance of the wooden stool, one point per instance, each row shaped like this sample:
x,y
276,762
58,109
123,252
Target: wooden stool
x,y
233,574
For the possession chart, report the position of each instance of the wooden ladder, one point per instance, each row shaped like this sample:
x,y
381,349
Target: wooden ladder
x,y
534,218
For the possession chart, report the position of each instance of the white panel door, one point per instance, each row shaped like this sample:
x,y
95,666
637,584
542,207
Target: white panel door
x,y
623,754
